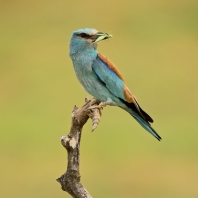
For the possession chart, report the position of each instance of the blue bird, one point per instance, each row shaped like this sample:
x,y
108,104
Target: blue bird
x,y
101,78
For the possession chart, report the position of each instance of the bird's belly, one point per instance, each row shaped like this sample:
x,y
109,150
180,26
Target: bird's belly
x,y
93,86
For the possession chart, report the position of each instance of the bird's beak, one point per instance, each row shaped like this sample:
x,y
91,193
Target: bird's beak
x,y
100,36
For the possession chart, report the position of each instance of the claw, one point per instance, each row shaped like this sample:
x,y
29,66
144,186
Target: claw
x,y
100,106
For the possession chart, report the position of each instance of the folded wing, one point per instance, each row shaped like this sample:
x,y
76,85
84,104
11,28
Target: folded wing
x,y
111,77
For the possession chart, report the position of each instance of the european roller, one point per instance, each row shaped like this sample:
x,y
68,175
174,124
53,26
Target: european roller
x,y
101,78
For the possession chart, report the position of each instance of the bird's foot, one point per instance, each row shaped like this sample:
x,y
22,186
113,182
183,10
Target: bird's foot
x,y
100,106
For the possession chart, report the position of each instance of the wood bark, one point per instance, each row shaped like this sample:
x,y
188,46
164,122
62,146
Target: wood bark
x,y
70,180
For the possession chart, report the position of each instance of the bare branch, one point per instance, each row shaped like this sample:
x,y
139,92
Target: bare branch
x,y
70,181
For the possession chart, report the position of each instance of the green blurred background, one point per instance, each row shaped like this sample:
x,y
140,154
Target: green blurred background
x,y
154,44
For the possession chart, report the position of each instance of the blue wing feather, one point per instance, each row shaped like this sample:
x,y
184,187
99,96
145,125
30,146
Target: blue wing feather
x,y
105,75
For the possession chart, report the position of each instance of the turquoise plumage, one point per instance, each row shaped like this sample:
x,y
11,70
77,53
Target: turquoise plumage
x,y
101,78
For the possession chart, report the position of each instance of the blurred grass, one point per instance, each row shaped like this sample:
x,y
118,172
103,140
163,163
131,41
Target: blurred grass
x,y
155,45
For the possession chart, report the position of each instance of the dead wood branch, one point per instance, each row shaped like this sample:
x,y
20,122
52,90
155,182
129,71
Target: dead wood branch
x,y
70,181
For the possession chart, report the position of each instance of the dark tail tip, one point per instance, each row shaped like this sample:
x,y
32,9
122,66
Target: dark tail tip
x,y
159,138
155,134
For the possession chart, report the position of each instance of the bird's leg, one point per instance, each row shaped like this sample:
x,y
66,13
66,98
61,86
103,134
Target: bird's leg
x,y
102,104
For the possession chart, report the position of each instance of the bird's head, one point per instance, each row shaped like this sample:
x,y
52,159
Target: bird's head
x,y
86,38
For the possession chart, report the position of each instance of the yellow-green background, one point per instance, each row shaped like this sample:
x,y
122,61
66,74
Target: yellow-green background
x,y
154,44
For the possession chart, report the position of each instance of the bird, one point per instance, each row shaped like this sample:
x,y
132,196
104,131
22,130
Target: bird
x,y
101,78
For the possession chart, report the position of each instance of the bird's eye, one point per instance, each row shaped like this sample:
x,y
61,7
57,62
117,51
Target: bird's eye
x,y
83,35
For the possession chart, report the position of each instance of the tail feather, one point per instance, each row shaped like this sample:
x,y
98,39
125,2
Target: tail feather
x,y
146,126
141,117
